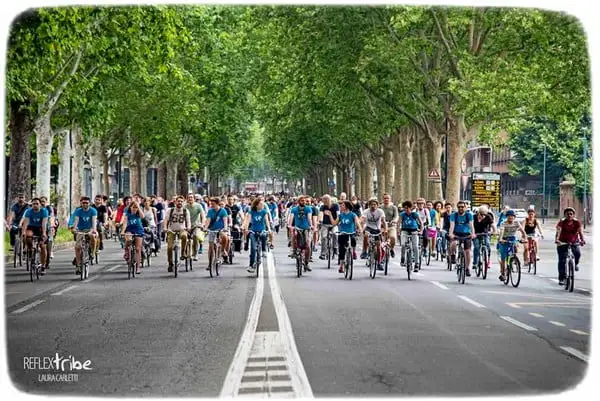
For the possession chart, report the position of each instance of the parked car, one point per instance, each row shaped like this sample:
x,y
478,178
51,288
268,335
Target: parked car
x,y
520,214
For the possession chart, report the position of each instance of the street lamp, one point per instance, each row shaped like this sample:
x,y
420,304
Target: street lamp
x,y
585,205
544,188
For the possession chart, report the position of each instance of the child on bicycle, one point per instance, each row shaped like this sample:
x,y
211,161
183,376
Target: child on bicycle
x,y
531,224
507,239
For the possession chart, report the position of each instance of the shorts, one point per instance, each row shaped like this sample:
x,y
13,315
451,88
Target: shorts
x,y
372,231
135,234
79,236
431,232
467,242
392,231
37,231
213,234
302,237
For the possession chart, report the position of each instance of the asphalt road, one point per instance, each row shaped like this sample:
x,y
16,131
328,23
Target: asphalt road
x,y
279,335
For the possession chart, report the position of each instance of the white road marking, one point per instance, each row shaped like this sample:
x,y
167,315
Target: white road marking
x,y
469,300
91,279
65,290
517,323
442,286
418,273
554,279
238,364
112,269
534,295
575,353
513,305
583,333
557,323
29,306
300,381
536,314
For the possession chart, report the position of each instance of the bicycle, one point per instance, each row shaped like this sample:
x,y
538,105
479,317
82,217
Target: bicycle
x,y
532,247
214,253
131,258
189,260
440,246
427,252
570,266
259,236
461,268
512,266
146,246
348,258
372,261
176,247
33,258
301,261
407,252
18,249
329,244
484,250
85,255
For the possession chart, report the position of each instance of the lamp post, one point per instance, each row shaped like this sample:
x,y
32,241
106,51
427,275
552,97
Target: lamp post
x,y
544,188
585,205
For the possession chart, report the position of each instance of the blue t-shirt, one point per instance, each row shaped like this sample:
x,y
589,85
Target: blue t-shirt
x,y
36,218
410,220
461,222
273,210
134,223
257,220
302,217
85,218
18,212
432,214
347,222
501,218
216,218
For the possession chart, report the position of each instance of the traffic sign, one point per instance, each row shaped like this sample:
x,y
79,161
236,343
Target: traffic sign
x,y
433,175
486,189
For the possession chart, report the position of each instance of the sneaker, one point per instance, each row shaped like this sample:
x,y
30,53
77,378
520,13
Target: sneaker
x,y
416,269
379,267
289,244
195,259
101,247
245,247
310,259
322,257
200,250
51,255
74,262
501,277
433,254
468,273
182,257
392,253
307,269
170,269
250,269
341,269
453,259
363,255
561,282
576,268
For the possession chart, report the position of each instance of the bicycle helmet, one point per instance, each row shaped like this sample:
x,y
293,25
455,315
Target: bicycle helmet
x,y
510,213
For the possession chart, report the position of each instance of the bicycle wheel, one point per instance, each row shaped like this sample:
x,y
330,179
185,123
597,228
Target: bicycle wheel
x,y
507,270
17,252
348,265
30,263
427,258
483,259
258,260
372,264
217,262
187,259
533,259
463,270
176,261
329,252
299,264
387,262
515,274
570,283
408,261
148,254
36,263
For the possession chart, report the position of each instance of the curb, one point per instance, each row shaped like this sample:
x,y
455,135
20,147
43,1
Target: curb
x,y
59,247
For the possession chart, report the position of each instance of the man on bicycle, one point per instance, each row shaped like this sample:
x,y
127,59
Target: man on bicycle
x,y
568,231
256,220
197,216
84,225
300,222
391,219
177,220
217,220
101,219
14,217
35,221
507,238
461,226
482,223
327,225
373,219
410,225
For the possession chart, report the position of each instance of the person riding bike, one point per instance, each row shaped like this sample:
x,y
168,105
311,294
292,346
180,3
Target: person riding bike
x,y
327,215
133,231
256,220
14,217
568,231
483,224
197,216
177,220
35,223
101,219
374,221
84,225
410,225
461,226
348,223
530,225
507,238
391,218
217,220
300,222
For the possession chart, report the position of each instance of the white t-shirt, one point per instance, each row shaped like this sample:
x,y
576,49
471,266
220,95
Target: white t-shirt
x,y
374,218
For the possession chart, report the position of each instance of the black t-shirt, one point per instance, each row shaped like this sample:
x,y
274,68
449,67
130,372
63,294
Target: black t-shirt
x,y
356,208
159,210
233,211
334,209
446,217
482,226
101,213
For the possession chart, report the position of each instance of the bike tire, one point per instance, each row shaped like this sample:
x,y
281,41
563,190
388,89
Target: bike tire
x,y
218,263
507,271
176,261
570,285
372,265
515,274
484,259
408,261
299,265
462,271
17,251
28,264
428,259
387,262
329,252
36,264
534,263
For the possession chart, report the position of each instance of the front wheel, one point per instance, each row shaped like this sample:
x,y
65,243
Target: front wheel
x,y
507,271
387,262
515,274
483,259
299,265
372,264
570,282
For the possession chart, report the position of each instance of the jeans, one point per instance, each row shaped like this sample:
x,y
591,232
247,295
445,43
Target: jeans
x,y
562,258
324,230
263,240
486,241
14,230
170,242
159,233
415,242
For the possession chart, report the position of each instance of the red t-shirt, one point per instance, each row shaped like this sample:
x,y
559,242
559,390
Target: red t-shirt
x,y
569,230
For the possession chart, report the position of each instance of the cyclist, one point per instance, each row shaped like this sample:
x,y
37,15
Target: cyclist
x,y
326,223
348,223
461,226
410,224
51,228
568,231
300,222
14,217
151,217
83,225
375,222
425,219
356,206
507,238
35,222
391,218
432,228
482,223
256,220
197,216
132,228
177,220
315,217
530,224
217,220
101,219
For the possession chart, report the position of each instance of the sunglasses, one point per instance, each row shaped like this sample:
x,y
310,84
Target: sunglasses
x,y
85,203
460,207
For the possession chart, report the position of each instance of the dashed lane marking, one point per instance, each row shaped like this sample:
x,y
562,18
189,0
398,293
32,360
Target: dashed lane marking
x,y
112,269
28,306
69,288
469,300
580,332
437,284
559,324
575,353
534,314
517,323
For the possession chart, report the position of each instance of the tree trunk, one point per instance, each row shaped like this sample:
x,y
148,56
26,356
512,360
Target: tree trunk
x,y
105,172
77,152
408,163
415,168
458,137
434,140
44,138
399,172
19,167
358,181
95,154
63,190
348,181
379,166
183,179
143,171
370,167
389,173
162,180
425,165
171,177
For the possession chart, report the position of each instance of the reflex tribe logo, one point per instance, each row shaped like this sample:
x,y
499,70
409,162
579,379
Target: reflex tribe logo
x,y
62,369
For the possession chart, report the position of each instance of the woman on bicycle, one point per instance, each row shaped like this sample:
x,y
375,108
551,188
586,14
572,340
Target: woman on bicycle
x,y
507,238
257,220
531,224
410,225
483,223
151,217
348,223
132,221
568,231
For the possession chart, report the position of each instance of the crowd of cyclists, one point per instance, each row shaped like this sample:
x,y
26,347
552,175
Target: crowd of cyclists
x,y
430,228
